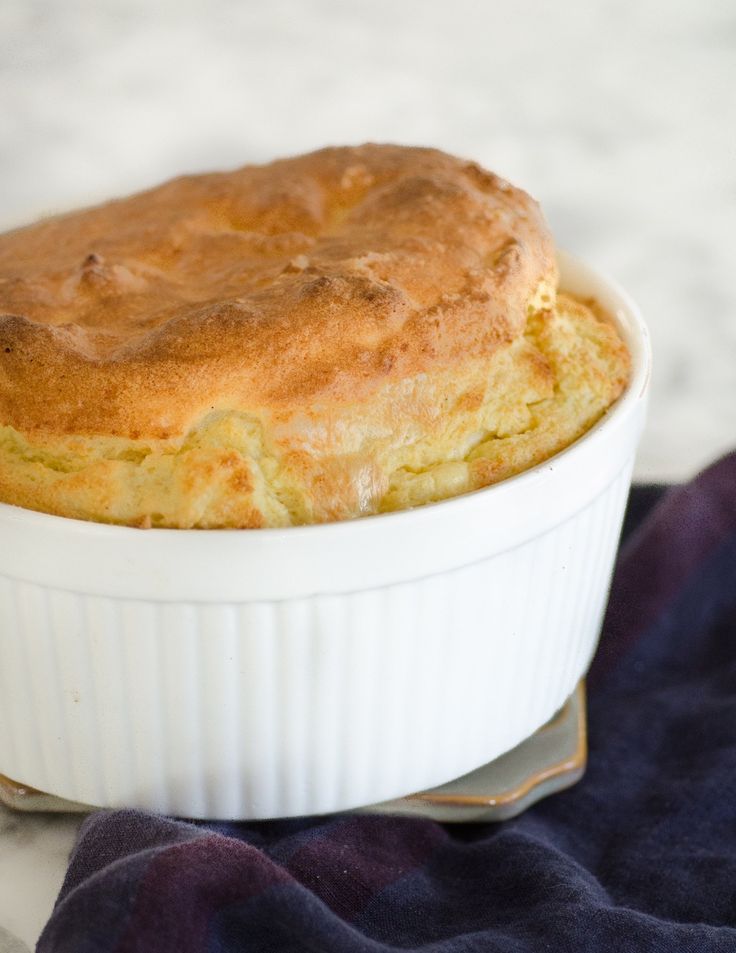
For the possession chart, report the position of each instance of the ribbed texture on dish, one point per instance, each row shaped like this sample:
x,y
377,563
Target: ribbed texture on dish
x,y
305,705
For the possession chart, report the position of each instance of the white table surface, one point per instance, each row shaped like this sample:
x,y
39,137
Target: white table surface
x,y
620,120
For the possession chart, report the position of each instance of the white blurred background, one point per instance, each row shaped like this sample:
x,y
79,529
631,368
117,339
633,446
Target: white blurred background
x,y
620,118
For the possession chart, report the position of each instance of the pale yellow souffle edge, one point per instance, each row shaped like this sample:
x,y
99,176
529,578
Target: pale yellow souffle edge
x,y
237,470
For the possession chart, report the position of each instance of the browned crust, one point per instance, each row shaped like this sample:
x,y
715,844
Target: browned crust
x,y
303,284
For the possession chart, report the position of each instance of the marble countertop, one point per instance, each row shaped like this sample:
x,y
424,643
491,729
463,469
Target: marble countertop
x,y
621,126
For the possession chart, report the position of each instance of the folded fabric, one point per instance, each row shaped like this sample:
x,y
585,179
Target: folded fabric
x,y
639,856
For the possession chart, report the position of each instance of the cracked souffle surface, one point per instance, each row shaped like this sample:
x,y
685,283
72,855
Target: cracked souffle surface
x,y
344,333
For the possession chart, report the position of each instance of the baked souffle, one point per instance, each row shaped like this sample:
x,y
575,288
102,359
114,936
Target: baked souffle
x,y
344,333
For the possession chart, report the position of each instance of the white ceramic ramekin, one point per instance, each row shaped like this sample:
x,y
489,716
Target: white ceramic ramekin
x,y
264,673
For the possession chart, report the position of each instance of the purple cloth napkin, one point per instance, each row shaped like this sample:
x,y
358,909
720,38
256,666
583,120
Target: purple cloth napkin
x,y
640,856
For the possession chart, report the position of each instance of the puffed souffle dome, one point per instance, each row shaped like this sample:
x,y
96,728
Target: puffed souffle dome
x,y
340,334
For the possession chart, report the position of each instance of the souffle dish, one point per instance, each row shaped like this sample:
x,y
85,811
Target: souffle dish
x,y
345,333
353,333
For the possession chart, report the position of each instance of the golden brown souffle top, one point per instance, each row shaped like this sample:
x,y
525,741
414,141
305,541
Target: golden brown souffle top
x,y
323,337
